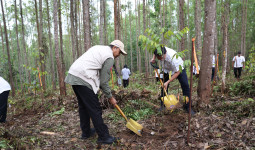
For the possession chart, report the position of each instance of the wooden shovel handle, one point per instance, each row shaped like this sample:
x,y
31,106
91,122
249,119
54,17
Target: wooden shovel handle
x,y
156,70
122,114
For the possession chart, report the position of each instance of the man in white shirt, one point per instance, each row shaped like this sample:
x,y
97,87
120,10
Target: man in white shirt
x,y
125,72
4,93
238,63
213,67
172,63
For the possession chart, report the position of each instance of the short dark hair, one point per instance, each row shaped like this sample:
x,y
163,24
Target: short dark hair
x,y
163,49
125,66
239,52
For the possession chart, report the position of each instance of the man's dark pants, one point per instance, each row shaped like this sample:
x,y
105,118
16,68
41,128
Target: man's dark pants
x,y
183,80
213,71
89,108
125,83
237,72
3,105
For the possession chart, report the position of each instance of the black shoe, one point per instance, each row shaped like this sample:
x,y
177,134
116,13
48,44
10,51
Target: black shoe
x,y
191,111
91,133
162,108
108,140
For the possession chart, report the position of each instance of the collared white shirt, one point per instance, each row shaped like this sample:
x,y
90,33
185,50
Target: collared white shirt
x,y
171,62
125,73
4,85
238,61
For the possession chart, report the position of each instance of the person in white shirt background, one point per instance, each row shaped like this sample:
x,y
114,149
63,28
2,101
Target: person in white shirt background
x,y
238,64
213,67
4,93
125,72
172,63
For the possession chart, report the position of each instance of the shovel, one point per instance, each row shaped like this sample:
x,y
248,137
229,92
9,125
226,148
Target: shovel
x,y
169,101
131,124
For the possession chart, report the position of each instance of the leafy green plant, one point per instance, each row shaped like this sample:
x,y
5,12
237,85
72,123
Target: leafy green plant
x,y
153,41
245,86
250,63
59,112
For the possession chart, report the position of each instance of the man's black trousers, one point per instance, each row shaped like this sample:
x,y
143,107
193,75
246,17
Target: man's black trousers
x,y
237,72
125,82
3,105
89,108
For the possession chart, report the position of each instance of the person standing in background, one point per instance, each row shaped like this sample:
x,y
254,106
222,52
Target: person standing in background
x,y
125,72
238,64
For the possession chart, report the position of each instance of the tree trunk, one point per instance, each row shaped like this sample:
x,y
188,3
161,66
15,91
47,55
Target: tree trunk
x,y
72,30
116,29
225,45
101,28
52,66
198,29
130,40
86,25
18,48
139,31
137,52
244,22
188,34
61,42
41,49
204,86
76,28
8,52
60,72
146,52
105,23
181,23
24,43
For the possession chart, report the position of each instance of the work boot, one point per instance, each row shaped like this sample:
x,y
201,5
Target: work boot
x,y
186,108
107,140
91,133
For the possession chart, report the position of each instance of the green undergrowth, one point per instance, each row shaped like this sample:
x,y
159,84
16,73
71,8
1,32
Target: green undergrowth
x,y
239,109
244,87
135,109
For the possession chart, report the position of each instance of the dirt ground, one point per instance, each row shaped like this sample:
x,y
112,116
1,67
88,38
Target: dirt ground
x,y
36,128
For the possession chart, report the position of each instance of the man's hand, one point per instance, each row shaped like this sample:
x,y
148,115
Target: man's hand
x,y
113,101
166,84
153,59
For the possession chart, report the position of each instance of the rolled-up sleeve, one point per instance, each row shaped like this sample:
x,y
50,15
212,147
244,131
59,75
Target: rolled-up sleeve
x,y
105,77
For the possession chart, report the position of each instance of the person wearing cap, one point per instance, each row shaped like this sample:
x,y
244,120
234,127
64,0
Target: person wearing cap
x,y
238,64
87,74
125,72
4,93
172,63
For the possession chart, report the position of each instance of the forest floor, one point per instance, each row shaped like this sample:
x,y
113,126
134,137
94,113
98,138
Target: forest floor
x,y
53,123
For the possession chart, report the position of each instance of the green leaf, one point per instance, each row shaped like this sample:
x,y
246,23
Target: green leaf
x,y
59,112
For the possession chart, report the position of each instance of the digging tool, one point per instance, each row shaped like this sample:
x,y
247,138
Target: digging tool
x,y
169,101
131,124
